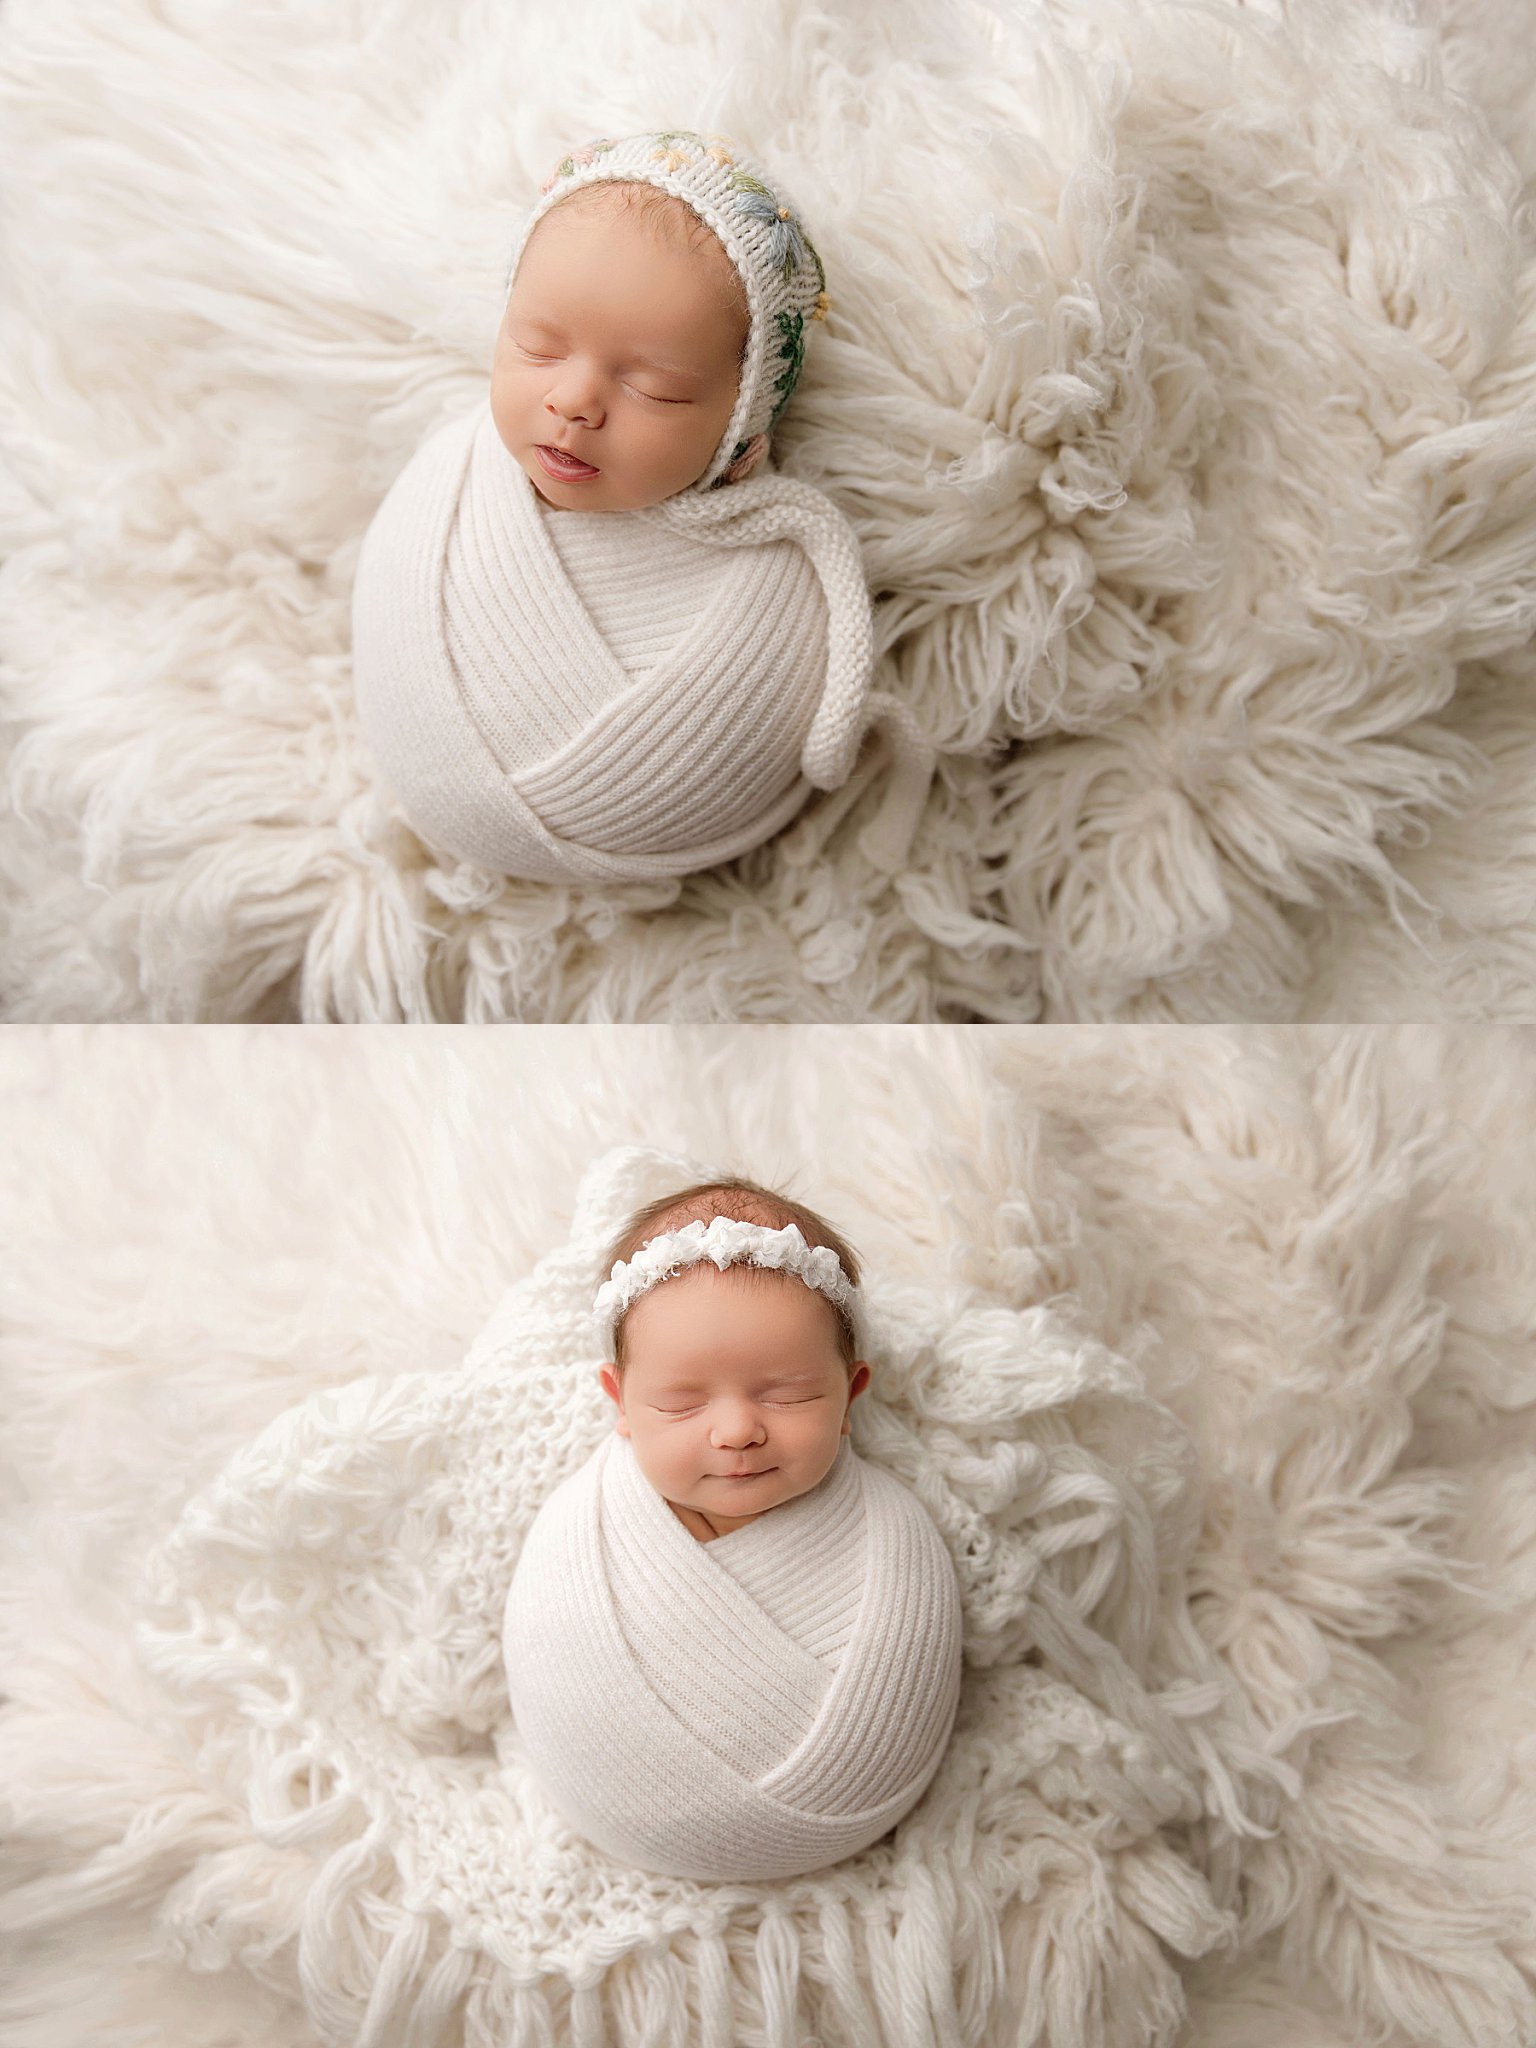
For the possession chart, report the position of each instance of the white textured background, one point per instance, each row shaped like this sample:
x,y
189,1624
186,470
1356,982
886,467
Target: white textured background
x,y
1180,384
1319,1244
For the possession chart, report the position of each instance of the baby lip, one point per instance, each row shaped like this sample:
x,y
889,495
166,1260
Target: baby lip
x,y
569,454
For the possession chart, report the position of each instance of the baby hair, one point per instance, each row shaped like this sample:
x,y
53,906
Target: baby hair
x,y
748,1202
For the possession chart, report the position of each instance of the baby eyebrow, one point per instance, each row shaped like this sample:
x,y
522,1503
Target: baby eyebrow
x,y
784,1379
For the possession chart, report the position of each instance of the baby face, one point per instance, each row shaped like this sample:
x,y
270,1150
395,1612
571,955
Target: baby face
x,y
619,349
727,1373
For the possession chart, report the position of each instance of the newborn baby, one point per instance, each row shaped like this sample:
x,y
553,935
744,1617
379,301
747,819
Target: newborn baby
x,y
595,636
735,1393
733,1647
624,336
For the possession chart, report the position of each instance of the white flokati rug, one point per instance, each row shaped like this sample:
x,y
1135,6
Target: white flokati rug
x,y
1261,1302
1180,384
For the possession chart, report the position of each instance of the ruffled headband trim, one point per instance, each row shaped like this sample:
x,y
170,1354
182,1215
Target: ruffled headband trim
x,y
723,1241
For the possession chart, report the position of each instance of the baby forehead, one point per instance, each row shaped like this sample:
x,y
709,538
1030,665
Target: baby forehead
x,y
571,233
575,249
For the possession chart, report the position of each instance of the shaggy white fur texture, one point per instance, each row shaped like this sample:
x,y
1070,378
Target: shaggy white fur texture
x,y
1179,385
1315,1249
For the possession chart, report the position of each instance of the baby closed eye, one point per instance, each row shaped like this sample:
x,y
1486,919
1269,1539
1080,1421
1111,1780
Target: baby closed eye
x,y
804,1402
649,396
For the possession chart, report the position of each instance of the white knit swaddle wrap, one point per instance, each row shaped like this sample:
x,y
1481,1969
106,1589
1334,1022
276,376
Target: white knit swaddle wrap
x,y
513,735
751,1708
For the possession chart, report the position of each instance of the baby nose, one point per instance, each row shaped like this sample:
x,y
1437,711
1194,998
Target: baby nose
x,y
575,398
734,1430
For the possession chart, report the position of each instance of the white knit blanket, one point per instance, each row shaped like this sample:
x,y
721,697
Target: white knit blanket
x,y
501,714
756,1706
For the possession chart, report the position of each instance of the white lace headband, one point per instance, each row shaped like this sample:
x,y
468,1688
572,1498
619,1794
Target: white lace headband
x,y
725,1241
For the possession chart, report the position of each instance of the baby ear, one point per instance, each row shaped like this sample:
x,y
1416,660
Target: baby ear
x,y
612,1390
856,1386
748,460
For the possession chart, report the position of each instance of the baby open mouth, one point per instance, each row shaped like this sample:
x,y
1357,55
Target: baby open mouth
x,y
563,465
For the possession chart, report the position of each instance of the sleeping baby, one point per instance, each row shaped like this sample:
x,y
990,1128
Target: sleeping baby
x,y
595,635
733,1646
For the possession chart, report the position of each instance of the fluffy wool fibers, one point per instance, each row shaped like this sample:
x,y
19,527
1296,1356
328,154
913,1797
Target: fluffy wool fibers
x,y
1315,1248
1179,386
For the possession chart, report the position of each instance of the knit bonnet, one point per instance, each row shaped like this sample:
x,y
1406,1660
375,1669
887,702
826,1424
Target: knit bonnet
x,y
760,230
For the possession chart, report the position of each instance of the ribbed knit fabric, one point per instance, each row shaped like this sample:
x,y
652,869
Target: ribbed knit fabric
x,y
641,597
751,612
754,1707
632,695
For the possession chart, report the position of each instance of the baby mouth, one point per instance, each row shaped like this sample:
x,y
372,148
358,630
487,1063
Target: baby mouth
x,y
563,465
